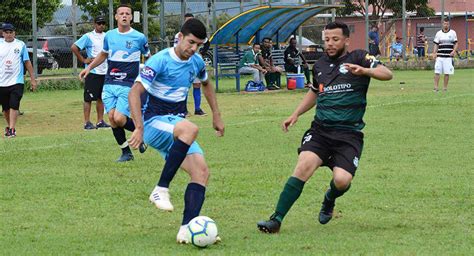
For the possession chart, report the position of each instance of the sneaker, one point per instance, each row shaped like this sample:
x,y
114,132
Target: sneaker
x,y
7,132
89,126
325,215
272,87
199,112
161,198
11,133
125,157
102,125
142,148
270,226
435,90
183,235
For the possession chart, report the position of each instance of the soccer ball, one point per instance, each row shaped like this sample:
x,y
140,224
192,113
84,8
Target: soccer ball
x,y
202,231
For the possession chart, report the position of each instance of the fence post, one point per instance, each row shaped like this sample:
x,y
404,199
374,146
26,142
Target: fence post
x,y
74,37
145,17
111,14
35,37
162,24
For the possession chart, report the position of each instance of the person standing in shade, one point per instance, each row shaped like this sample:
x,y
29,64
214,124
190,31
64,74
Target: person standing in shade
x,y
445,46
339,92
420,43
196,83
13,60
123,48
93,42
291,56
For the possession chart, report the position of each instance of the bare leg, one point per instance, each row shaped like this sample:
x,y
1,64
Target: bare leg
x,y
436,82
446,80
87,111
100,110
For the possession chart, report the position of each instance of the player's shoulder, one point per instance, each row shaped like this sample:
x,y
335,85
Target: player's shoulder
x,y
198,60
359,53
19,42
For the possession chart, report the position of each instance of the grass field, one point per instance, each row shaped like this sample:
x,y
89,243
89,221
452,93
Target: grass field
x,y
62,193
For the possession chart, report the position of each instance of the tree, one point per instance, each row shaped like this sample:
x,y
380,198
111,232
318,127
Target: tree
x,y
101,7
380,7
19,13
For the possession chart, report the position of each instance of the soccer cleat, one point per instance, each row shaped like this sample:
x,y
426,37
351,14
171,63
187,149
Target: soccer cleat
x,y
183,235
89,126
269,226
199,112
325,215
161,198
125,157
102,125
11,133
142,148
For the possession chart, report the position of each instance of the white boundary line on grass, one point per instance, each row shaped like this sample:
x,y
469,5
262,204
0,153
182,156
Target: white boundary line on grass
x,y
244,122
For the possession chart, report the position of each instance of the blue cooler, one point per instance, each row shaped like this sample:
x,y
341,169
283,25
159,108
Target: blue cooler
x,y
299,78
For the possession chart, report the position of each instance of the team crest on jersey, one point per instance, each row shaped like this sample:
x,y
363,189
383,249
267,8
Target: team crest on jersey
x,y
16,51
343,69
128,44
192,76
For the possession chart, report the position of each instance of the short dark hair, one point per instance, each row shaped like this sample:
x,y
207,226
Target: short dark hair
x,y
189,15
446,20
255,44
195,27
293,38
338,24
266,38
422,29
124,5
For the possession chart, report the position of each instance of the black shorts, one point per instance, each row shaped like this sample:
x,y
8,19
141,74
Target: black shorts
x,y
337,148
10,96
93,87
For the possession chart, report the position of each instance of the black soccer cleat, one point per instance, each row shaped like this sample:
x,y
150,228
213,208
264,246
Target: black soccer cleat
x,y
269,226
325,215
125,157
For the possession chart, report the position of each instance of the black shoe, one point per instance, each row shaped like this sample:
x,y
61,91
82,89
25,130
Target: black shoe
x,y
269,226
271,88
125,157
142,148
325,215
199,112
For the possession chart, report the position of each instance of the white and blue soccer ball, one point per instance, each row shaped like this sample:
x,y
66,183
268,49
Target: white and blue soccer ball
x,y
202,231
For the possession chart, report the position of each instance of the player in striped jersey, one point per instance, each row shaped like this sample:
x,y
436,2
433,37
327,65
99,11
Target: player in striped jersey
x,y
445,46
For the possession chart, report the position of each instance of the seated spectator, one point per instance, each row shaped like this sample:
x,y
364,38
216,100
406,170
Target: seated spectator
x,y
249,64
292,62
266,61
396,49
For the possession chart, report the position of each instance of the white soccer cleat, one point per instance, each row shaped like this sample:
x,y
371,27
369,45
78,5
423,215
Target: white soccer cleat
x,y
161,198
183,235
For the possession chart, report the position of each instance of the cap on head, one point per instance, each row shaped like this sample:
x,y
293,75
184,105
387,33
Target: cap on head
x,y
99,19
8,26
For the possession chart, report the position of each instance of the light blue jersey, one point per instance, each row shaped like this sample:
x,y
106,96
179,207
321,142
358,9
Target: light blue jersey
x,y
167,80
93,42
124,51
12,57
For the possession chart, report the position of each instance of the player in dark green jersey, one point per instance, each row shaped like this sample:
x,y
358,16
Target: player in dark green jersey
x,y
340,82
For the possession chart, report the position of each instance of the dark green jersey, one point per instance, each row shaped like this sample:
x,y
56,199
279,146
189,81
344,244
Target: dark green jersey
x,y
341,100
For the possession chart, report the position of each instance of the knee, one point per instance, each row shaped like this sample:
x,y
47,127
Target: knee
x,y
343,181
186,129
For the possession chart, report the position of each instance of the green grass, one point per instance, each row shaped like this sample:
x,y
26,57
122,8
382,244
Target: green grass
x,y
62,193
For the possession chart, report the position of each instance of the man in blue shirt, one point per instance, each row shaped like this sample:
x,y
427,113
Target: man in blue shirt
x,y
396,49
123,47
93,42
167,77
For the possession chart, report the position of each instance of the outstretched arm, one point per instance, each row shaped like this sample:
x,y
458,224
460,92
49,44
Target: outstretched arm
x,y
210,95
380,72
306,104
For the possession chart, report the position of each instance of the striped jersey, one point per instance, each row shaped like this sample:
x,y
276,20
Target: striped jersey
x,y
124,50
342,96
420,40
445,42
12,56
93,42
167,79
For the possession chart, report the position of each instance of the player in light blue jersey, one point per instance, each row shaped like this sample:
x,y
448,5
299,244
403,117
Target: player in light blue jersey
x,y
13,58
167,77
123,48
93,42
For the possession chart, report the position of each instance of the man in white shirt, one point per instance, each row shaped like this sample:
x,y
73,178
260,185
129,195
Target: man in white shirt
x,y
445,46
93,42
13,59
